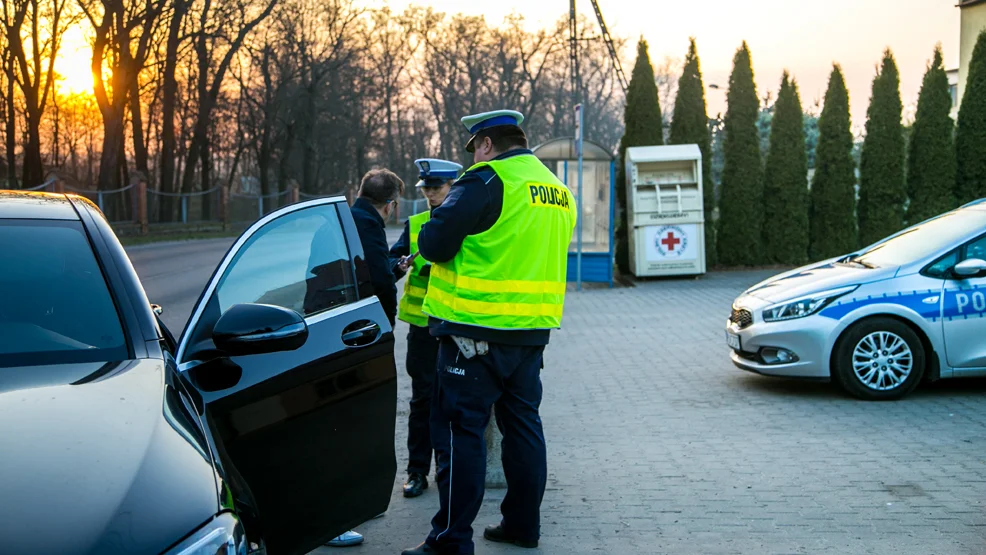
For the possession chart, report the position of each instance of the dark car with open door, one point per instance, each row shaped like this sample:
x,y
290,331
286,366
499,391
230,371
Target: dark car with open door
x,y
268,425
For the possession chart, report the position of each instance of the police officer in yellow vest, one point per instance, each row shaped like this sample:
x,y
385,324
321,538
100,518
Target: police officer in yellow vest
x,y
499,249
436,176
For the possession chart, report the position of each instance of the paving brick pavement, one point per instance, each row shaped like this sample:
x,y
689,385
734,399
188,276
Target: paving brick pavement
x,y
657,444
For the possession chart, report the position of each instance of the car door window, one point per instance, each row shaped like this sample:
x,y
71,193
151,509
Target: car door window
x,y
299,261
977,249
940,268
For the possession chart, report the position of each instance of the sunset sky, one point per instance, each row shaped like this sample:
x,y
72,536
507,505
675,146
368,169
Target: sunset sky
x,y
803,37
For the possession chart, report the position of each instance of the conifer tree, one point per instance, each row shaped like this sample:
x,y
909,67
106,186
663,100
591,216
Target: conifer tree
x,y
643,126
931,159
741,211
785,189
690,125
832,214
881,170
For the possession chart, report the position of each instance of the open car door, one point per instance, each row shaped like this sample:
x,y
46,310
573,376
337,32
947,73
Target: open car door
x,y
297,375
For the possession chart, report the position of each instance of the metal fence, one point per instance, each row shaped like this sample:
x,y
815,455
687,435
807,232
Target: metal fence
x,y
118,205
145,208
247,208
195,207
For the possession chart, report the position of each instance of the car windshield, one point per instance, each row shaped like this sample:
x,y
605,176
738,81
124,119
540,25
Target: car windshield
x,y
55,307
924,240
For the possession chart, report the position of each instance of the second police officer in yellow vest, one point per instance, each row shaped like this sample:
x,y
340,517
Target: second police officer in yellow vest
x,y
436,177
499,251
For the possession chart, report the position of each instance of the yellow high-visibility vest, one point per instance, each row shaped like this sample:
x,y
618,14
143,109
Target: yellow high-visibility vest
x,y
415,285
512,276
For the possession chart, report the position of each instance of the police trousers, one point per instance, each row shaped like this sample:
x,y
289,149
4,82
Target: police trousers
x,y
508,377
422,360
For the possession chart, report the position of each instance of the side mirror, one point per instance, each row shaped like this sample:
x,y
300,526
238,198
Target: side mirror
x,y
970,268
253,329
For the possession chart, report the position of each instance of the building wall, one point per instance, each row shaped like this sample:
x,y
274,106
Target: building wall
x,y
973,22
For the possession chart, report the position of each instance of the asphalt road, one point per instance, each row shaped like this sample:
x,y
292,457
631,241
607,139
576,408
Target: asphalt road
x,y
174,274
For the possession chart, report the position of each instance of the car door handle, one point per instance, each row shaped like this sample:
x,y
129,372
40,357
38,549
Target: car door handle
x,y
361,336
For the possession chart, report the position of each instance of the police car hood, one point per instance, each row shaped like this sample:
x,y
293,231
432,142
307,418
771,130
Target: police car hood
x,y
99,458
815,278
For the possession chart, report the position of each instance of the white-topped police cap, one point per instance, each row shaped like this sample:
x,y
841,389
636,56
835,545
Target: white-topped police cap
x,y
434,172
477,122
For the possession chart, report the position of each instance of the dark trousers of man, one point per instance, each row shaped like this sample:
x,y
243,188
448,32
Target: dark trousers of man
x,y
422,357
508,377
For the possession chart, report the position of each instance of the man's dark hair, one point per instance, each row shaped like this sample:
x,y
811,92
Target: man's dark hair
x,y
504,137
380,187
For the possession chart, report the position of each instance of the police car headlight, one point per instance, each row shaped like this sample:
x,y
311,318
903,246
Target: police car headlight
x,y
804,306
223,535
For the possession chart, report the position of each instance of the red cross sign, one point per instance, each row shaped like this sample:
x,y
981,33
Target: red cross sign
x,y
670,241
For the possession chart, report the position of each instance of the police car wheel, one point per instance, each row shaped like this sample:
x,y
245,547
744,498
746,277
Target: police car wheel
x,y
879,359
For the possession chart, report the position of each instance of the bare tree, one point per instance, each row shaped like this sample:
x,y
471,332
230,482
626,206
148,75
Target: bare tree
x,y
666,75
32,58
114,44
9,114
390,44
318,35
222,29
264,83
169,86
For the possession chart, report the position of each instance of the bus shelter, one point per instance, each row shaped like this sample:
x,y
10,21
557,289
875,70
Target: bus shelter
x,y
598,205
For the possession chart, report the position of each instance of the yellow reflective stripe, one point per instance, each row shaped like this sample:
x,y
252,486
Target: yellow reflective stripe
x,y
410,311
458,304
415,292
496,286
414,237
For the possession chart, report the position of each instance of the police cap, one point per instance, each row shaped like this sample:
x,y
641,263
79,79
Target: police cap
x,y
478,122
433,172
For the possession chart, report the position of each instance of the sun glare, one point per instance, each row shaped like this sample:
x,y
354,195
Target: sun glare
x,y
74,63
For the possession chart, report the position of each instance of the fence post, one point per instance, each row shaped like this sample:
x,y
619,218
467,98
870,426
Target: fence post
x,y
260,206
224,207
295,193
59,187
142,206
184,209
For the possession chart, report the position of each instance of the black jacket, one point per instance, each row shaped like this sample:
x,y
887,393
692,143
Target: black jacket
x,y
472,206
373,236
403,248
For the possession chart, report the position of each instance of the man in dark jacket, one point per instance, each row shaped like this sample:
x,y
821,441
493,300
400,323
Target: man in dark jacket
x,y
375,202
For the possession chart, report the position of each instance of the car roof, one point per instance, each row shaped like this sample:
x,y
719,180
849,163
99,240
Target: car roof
x,y
976,204
32,205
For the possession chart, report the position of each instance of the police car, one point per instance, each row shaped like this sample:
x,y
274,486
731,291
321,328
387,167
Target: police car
x,y
877,321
